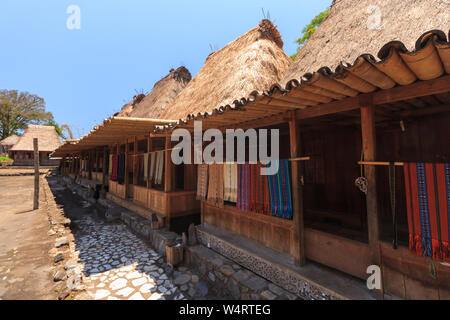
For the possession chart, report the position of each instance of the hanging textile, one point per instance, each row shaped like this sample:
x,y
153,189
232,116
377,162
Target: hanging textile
x,y
392,195
121,168
256,188
145,166
110,165
215,185
230,182
115,167
280,191
243,187
428,205
202,182
152,166
159,168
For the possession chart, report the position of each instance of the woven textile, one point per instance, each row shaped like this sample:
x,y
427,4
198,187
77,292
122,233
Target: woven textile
x,y
215,185
428,205
230,182
115,167
145,166
202,182
152,166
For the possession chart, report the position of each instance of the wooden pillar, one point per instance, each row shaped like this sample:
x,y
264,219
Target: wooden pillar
x,y
105,165
369,152
149,149
168,177
126,169
135,162
36,174
298,234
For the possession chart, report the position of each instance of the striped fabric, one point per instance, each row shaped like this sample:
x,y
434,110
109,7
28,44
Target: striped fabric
x,y
215,185
230,182
428,205
280,191
202,182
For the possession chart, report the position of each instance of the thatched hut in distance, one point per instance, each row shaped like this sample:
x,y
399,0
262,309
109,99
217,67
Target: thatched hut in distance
x,y
254,61
8,143
48,141
163,94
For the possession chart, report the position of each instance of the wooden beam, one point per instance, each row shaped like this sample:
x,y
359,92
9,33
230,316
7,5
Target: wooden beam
x,y
298,234
369,152
415,90
168,175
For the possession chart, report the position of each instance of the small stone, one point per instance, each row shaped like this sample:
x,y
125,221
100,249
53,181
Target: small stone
x,y
227,270
211,276
136,296
184,288
191,292
59,275
61,242
139,282
146,288
64,294
182,269
51,232
71,264
133,275
195,278
155,296
268,295
118,284
125,292
182,279
58,257
202,289
101,294
276,289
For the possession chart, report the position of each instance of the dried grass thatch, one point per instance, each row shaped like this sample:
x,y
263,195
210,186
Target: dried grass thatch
x,y
48,139
253,61
162,94
8,142
344,35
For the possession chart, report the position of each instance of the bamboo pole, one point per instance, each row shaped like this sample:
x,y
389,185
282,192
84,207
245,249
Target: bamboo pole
x,y
36,174
380,163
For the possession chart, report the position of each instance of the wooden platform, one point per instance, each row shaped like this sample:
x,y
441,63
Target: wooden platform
x,y
313,281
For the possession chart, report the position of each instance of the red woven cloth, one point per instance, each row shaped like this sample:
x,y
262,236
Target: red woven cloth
x,y
114,168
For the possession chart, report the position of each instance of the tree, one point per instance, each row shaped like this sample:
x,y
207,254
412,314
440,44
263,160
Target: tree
x,y
18,109
60,128
309,30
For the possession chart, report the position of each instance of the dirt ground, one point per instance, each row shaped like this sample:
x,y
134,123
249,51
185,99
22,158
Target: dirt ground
x,y
25,264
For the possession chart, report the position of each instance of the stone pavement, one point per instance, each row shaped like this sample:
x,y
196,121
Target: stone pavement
x,y
117,264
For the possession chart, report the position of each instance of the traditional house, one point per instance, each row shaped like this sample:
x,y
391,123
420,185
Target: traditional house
x,y
23,151
8,143
366,119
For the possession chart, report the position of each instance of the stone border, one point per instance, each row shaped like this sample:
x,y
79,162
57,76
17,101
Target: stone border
x,y
287,279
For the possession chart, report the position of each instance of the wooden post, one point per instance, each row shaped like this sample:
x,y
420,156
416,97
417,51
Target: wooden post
x,y
168,176
135,162
149,149
105,164
298,234
369,152
36,174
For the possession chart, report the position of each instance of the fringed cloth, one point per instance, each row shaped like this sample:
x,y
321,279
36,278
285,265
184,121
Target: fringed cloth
x,y
230,182
152,166
428,206
115,164
202,182
280,191
145,166
159,170
110,165
243,183
121,168
257,191
215,185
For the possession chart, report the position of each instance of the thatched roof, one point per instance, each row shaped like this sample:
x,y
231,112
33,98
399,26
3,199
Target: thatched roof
x,y
163,93
344,34
48,139
253,61
10,141
367,79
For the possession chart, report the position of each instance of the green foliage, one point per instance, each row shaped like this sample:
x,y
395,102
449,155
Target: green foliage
x,y
309,30
58,128
18,109
5,159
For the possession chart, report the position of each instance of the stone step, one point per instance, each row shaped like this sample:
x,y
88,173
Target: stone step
x,y
312,281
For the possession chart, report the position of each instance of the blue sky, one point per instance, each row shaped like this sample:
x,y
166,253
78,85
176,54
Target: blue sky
x,y
86,75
